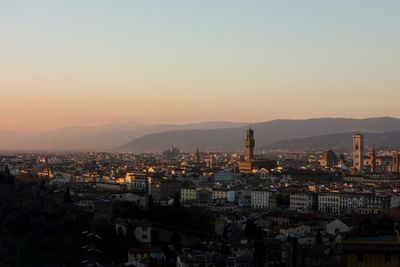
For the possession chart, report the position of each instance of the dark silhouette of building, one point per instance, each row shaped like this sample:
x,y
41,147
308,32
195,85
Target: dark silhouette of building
x,y
358,153
395,162
250,143
373,161
171,154
250,164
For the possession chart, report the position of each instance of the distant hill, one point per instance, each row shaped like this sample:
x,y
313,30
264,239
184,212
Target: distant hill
x,y
102,137
341,141
232,139
208,136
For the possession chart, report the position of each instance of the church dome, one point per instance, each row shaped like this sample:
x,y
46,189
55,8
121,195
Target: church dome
x,y
329,156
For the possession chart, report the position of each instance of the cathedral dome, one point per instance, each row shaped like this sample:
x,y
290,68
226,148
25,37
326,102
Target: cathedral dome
x,y
329,159
329,156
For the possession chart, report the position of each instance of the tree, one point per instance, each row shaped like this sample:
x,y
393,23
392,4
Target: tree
x,y
7,171
251,230
150,202
131,240
319,239
225,250
154,238
176,240
42,184
295,246
259,252
67,196
177,201
120,246
282,200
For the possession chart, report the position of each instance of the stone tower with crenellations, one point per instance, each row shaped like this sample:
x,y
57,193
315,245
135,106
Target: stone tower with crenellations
x,y
250,143
358,153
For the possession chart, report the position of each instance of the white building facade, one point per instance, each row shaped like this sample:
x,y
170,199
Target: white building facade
x,y
260,199
302,202
329,203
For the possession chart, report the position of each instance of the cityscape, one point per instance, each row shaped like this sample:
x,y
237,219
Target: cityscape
x,y
199,133
203,208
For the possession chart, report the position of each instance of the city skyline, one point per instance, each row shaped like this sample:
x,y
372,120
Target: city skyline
x,y
95,62
199,133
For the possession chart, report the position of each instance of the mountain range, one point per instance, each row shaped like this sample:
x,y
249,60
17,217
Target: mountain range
x,y
338,142
319,133
232,139
102,137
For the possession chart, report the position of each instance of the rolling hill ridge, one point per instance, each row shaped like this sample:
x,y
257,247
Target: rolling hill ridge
x,y
232,139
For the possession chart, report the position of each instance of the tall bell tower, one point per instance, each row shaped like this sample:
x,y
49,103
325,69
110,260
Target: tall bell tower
x,y
395,162
373,161
250,142
358,153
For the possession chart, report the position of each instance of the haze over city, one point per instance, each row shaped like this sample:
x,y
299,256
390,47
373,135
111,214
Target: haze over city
x,y
82,63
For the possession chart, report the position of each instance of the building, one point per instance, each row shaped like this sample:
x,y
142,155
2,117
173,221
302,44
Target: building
x,y
395,162
377,204
358,153
197,157
373,161
337,227
171,154
329,203
141,230
188,194
240,196
210,162
352,202
199,258
138,181
372,250
219,194
250,165
250,143
378,178
328,159
138,198
165,189
374,164
378,164
111,186
395,201
150,256
295,231
303,202
245,166
203,194
260,199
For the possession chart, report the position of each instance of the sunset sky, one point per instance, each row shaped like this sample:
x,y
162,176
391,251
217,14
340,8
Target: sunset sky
x,y
82,62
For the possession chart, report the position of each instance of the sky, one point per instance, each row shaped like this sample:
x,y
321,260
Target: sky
x,y
74,62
